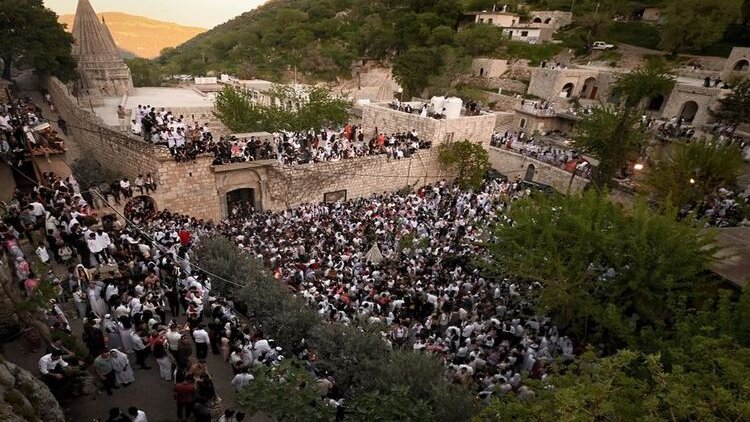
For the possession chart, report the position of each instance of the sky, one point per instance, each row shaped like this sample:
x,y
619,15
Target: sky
x,y
201,13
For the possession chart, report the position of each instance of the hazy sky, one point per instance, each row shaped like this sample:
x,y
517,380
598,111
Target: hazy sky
x,y
202,13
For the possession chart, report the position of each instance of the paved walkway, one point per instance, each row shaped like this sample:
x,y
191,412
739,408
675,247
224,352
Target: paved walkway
x,y
148,392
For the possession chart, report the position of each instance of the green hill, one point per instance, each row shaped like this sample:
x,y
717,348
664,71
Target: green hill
x,y
429,43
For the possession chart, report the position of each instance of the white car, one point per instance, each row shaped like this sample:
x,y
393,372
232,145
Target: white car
x,y
601,45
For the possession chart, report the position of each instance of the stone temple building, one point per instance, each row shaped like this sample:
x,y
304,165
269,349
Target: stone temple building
x,y
101,69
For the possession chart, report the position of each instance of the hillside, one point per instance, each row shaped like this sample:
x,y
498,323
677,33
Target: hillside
x,y
141,36
428,43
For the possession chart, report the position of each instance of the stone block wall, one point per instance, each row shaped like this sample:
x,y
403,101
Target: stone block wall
x,y
381,118
515,165
682,94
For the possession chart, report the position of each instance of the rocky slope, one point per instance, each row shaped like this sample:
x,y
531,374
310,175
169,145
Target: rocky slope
x,y
24,398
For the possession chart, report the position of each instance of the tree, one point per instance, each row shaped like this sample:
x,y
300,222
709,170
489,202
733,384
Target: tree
x,y
145,72
597,264
412,68
654,77
480,39
397,404
470,160
634,386
287,392
31,35
612,136
686,173
734,109
694,24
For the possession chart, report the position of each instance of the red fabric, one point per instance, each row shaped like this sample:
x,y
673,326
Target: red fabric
x,y
184,237
183,392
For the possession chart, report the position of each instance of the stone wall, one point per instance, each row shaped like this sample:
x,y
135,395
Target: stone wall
x,y
187,187
735,68
24,398
682,94
515,165
504,102
381,118
488,68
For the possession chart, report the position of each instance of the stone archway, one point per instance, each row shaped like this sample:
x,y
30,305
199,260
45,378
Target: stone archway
x,y
240,201
481,71
655,103
742,65
689,110
567,90
139,207
548,21
530,170
537,20
590,88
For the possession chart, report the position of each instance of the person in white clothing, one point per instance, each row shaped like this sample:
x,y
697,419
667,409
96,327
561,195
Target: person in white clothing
x,y
241,380
137,415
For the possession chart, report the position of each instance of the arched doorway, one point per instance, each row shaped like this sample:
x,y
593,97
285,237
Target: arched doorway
x,y
240,202
548,20
742,66
655,103
537,20
567,90
689,110
530,170
590,89
481,71
139,207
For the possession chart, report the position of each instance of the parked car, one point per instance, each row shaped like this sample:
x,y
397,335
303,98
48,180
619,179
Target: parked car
x,y
601,45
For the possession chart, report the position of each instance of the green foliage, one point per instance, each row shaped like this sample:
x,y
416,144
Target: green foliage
x,y
630,386
613,136
534,53
224,259
597,263
89,170
30,35
470,160
654,77
694,24
709,164
735,107
634,33
394,405
287,392
480,39
295,109
413,67
145,72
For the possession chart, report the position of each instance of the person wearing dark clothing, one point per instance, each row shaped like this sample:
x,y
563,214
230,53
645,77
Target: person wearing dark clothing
x,y
115,415
184,392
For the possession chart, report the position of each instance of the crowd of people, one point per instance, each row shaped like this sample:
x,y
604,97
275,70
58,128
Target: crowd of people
x,y
18,120
529,146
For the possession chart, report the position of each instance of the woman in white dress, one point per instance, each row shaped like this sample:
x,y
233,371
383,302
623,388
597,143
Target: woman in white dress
x,y
125,328
123,369
98,305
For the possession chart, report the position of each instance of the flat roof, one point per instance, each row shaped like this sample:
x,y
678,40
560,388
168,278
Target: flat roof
x,y
155,97
734,260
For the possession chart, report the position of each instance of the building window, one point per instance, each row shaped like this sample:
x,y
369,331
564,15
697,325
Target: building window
x,y
489,21
522,123
510,33
524,33
335,196
481,20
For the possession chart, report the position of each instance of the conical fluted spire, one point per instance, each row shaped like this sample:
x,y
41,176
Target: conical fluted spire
x,y
91,35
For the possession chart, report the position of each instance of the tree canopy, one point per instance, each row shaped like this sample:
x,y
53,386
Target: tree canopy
x,y
685,174
735,107
30,35
694,24
292,108
654,77
597,263
469,159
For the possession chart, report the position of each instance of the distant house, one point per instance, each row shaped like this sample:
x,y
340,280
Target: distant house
x,y
488,68
540,28
651,14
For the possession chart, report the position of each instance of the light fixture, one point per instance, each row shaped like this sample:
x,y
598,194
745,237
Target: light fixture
x,y
692,181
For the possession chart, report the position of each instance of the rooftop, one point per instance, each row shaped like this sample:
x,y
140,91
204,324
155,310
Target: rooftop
x,y
155,97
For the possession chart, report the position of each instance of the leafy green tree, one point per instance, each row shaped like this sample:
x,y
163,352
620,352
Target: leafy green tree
x,y
286,392
31,35
395,404
734,109
597,264
694,24
469,159
480,39
145,72
632,386
654,77
412,68
687,173
613,136
235,109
